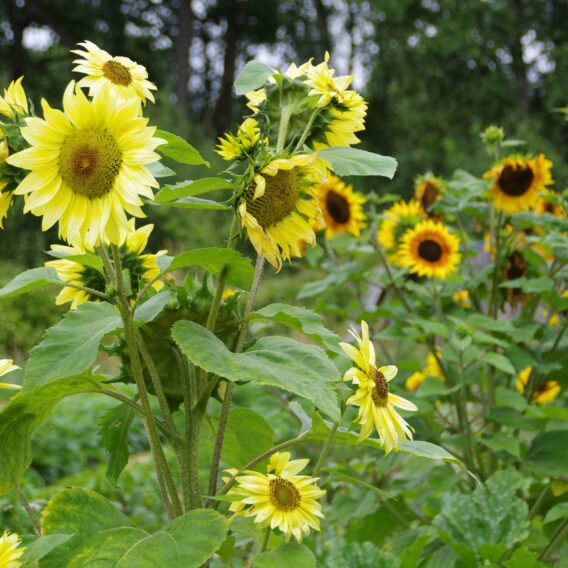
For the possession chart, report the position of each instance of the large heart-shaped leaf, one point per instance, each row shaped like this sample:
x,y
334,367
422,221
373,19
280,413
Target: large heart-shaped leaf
x,y
355,162
30,280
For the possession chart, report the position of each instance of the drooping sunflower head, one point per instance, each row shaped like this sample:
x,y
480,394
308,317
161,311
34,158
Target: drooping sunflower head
x,y
236,147
276,206
430,250
373,397
397,220
342,208
517,181
544,393
427,190
70,267
282,499
121,76
88,166
14,102
10,550
515,267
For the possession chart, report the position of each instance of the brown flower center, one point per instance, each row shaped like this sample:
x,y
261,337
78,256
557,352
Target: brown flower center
x,y
337,207
381,389
279,200
89,161
283,494
117,73
516,266
515,182
430,250
429,196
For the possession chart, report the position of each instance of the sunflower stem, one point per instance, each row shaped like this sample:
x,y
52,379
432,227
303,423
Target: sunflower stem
x,y
307,129
285,115
266,539
28,509
325,449
85,289
556,538
163,473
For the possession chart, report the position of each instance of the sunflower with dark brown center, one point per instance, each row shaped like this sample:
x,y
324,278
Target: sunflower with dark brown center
x,y
430,250
515,267
517,182
428,190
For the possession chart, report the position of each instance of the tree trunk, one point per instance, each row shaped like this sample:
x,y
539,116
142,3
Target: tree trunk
x,y
182,47
322,14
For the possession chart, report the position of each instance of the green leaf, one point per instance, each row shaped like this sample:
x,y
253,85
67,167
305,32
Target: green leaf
x,y
226,264
302,369
152,307
115,425
547,454
286,556
190,188
559,511
531,285
30,280
499,362
194,203
23,415
179,150
501,442
514,419
300,319
354,162
524,559
158,170
340,476
91,260
253,75
42,547
71,345
248,434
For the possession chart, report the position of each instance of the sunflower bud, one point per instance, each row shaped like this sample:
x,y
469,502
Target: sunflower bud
x,y
493,135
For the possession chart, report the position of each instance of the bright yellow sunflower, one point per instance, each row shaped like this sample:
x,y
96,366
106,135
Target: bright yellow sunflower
x,y
142,268
432,369
517,182
430,250
428,190
376,403
10,551
276,207
88,166
398,219
120,76
7,366
235,147
547,202
545,393
14,100
342,208
461,298
282,499
324,85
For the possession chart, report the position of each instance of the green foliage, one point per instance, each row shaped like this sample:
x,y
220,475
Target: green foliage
x,y
191,188
28,281
284,556
355,162
253,75
179,149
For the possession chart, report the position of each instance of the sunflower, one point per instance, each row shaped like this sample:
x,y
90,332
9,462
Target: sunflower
x,y
236,147
143,268
88,166
14,101
10,553
325,86
396,221
461,298
7,366
120,76
282,499
275,208
549,202
544,393
428,190
515,267
432,369
517,182
430,250
376,404
342,208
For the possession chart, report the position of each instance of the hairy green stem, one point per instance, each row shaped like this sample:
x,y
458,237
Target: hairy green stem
x,y
325,449
266,539
28,509
556,538
285,115
307,129
85,289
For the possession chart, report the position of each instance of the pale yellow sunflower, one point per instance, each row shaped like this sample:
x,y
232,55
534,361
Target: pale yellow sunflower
x,y
282,499
277,206
7,366
142,268
120,76
235,147
376,403
397,220
10,551
517,182
324,85
342,208
14,100
88,166
427,190
430,250
545,393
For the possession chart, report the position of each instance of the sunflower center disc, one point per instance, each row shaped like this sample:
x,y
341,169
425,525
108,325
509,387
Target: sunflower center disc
x,y
381,389
279,200
117,73
338,207
283,494
430,250
89,161
515,181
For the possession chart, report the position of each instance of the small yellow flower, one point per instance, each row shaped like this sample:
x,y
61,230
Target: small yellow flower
x,y
432,369
229,292
14,101
236,147
545,393
10,551
376,403
7,366
282,499
342,208
430,250
121,76
461,298
324,85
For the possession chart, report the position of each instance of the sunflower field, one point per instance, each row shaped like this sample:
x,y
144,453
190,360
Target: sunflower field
x,y
326,372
